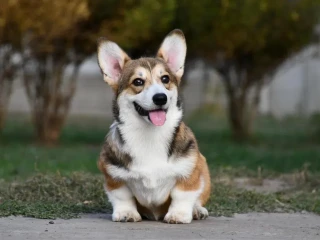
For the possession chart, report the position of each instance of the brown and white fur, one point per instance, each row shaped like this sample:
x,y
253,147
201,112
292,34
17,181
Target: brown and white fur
x,y
150,158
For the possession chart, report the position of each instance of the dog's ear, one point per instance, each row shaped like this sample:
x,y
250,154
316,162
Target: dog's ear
x,y
111,59
173,51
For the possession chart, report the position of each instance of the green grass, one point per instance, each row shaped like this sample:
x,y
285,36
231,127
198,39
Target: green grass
x,y
78,149
23,161
51,196
277,146
58,196
45,182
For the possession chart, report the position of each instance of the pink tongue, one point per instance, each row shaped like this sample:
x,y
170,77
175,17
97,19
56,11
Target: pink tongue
x,y
157,117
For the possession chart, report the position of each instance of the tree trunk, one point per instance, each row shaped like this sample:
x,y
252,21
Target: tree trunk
x,y
7,71
253,105
236,93
48,131
2,118
243,111
239,128
5,93
243,103
50,96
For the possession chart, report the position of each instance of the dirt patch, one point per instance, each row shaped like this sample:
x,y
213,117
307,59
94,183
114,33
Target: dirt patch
x,y
262,185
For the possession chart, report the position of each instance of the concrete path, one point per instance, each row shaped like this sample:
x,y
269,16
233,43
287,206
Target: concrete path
x,y
255,226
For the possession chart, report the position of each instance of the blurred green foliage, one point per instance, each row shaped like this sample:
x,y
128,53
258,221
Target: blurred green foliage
x,y
51,22
274,28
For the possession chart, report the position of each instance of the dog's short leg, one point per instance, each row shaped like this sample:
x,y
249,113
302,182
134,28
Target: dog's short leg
x,y
199,212
181,207
185,195
124,205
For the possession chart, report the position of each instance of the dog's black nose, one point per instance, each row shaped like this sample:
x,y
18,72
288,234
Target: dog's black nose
x,y
159,99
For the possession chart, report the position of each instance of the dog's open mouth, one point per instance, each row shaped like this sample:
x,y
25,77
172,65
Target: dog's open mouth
x,y
157,117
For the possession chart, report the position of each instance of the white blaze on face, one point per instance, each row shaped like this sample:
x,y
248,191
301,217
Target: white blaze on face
x,y
145,99
158,117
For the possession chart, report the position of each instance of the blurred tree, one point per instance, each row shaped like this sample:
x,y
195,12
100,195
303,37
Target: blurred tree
x,y
47,32
8,68
52,35
139,25
246,40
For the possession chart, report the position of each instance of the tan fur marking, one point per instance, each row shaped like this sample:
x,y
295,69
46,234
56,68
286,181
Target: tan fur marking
x,y
193,182
204,197
170,85
182,147
111,184
158,71
144,74
134,89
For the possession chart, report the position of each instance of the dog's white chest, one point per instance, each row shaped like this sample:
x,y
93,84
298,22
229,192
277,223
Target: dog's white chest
x,y
152,184
152,174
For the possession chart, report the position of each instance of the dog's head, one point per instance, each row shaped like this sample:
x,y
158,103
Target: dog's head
x,y
146,88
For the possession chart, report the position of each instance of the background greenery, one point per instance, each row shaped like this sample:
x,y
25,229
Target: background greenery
x,y
278,147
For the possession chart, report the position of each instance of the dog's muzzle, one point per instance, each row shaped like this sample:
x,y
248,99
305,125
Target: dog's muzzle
x,y
157,116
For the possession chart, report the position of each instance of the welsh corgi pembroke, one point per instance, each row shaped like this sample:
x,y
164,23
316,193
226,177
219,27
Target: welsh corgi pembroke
x,y
150,159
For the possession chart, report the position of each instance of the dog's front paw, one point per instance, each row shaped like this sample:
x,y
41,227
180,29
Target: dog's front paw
x,y
126,216
178,217
200,213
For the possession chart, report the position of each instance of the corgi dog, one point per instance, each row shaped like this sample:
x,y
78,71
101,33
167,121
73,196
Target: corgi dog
x,y
150,159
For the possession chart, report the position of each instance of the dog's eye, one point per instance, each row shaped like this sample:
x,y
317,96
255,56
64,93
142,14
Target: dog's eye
x,y
138,82
165,79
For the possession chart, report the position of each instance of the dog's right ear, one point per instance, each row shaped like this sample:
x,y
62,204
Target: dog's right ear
x,y
173,51
111,59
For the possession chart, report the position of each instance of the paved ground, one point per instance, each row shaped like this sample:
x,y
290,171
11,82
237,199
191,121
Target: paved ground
x,y
255,226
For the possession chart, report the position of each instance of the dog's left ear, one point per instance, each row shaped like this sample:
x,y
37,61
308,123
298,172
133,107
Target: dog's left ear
x,y
173,50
